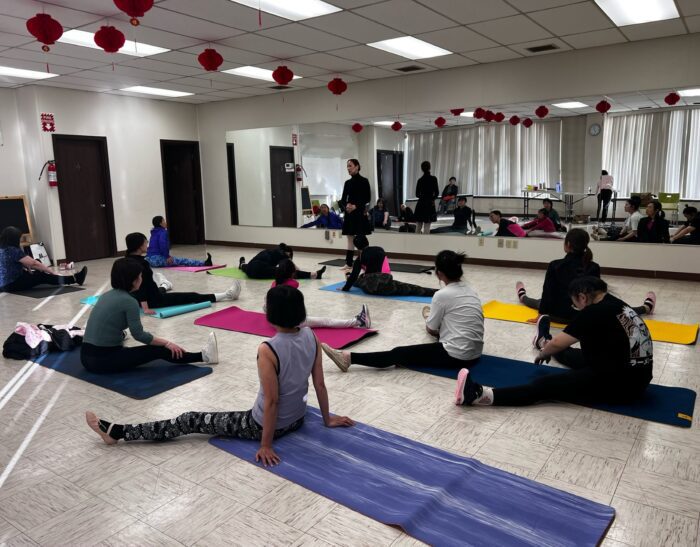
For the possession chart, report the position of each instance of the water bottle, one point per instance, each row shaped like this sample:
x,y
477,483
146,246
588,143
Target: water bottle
x,y
557,187
589,190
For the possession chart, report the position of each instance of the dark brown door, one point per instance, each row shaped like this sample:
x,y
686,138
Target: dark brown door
x,y
390,179
182,185
284,192
232,190
85,196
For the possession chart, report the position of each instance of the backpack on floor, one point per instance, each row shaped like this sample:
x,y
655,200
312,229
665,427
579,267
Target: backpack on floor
x,y
16,347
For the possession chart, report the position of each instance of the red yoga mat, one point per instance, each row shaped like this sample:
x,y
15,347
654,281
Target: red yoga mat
x,y
252,322
195,269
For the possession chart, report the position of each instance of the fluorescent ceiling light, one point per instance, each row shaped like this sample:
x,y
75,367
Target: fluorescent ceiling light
x,y
156,91
410,47
571,104
467,114
22,73
254,72
634,12
387,123
296,10
690,92
87,39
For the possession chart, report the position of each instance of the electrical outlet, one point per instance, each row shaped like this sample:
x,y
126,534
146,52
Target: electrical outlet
x,y
481,242
515,244
508,243
328,235
500,244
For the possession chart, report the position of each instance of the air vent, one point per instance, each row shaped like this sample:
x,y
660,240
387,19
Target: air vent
x,y
540,49
644,108
696,103
280,87
410,68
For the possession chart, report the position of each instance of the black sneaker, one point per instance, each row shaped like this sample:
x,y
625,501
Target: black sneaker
x,y
543,325
208,261
467,391
319,273
80,276
241,261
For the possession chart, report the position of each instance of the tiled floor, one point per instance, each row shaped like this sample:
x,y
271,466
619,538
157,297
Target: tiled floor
x,y
59,485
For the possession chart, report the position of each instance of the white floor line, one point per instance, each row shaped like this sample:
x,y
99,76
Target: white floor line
x,y
15,378
18,384
44,301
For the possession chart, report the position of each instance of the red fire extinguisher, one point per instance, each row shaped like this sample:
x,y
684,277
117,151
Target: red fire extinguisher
x,y
300,171
51,173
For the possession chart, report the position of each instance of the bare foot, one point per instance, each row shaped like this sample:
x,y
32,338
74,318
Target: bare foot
x,y
94,424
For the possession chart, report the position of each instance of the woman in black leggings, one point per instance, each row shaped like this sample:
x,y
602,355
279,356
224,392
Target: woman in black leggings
x,y
264,264
614,364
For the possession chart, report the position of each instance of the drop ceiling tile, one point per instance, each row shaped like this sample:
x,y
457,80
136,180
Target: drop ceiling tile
x,y
146,35
692,22
522,48
233,14
657,29
149,63
55,68
260,91
266,46
394,66
231,94
471,11
41,57
313,82
14,25
537,5
137,73
204,83
330,62
353,27
351,4
372,73
448,61
304,36
572,19
457,39
13,40
306,71
689,7
492,55
367,55
406,16
69,18
178,57
233,56
115,78
511,30
79,52
595,38
54,83
194,27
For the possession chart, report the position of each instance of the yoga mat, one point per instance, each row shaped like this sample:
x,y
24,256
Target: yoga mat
x,y
161,313
251,322
356,290
439,498
663,404
234,273
395,266
661,331
138,383
44,291
195,269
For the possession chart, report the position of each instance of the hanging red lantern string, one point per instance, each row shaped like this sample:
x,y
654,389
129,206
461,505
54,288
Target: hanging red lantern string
x,y
110,39
457,111
541,111
514,120
672,98
489,116
210,59
397,125
337,86
527,122
440,121
45,29
282,75
479,113
603,106
499,117
134,8
357,127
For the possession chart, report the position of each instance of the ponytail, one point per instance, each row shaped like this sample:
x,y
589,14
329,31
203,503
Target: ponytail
x,y
285,270
578,240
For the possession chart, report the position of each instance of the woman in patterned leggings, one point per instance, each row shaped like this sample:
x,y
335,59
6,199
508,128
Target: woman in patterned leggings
x,y
285,363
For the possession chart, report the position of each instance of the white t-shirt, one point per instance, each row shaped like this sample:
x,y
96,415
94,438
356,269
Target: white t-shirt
x,y
456,313
631,222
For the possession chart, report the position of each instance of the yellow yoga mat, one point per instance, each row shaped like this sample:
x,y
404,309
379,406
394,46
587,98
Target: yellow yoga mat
x,y
661,331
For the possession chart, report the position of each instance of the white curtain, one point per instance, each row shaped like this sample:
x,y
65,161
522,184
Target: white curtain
x,y
654,152
488,159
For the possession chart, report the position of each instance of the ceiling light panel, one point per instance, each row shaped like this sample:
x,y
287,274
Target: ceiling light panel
x,y
26,74
156,91
254,72
87,39
410,48
295,10
635,12
467,114
570,104
384,123
690,92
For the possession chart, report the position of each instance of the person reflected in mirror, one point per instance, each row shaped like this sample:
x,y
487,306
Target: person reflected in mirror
x,y
158,253
354,200
689,234
264,264
379,216
427,191
604,192
326,219
506,227
541,226
449,195
408,218
553,215
628,232
654,227
463,220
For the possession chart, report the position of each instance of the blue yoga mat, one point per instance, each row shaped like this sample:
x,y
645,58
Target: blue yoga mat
x,y
138,383
355,290
161,313
663,404
437,497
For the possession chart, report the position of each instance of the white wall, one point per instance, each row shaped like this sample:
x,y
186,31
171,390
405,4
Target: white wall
x,y
12,175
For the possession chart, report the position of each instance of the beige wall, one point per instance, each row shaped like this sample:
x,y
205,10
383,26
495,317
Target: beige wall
x,y
12,175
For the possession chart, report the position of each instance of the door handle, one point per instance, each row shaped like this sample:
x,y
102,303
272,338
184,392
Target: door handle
x,y
103,205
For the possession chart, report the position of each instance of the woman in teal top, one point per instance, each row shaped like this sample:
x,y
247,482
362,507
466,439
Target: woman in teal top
x,y
103,351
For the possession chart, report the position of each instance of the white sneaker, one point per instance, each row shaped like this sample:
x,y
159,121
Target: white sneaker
x,y
234,291
336,356
162,282
210,352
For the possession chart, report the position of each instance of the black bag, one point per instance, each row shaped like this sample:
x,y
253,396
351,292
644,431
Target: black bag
x,y
15,347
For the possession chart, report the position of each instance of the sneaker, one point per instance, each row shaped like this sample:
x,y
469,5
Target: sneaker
x,y
241,261
234,291
208,261
125,335
80,276
362,318
425,312
467,391
319,273
210,352
543,335
337,357
650,302
520,290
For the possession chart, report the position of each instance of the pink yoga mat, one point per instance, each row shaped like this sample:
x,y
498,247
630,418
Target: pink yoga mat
x,y
195,269
252,322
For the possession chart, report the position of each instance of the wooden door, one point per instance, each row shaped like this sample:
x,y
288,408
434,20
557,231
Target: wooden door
x,y
390,179
182,186
85,196
232,189
284,192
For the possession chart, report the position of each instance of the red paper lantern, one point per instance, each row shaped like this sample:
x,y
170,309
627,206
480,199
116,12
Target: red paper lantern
x,y
440,121
527,122
396,126
541,111
45,29
603,107
282,75
499,117
672,98
134,8
357,127
210,59
337,86
457,111
489,116
514,120
109,39
479,113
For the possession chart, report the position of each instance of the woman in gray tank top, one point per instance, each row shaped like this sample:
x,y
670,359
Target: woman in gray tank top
x,y
285,363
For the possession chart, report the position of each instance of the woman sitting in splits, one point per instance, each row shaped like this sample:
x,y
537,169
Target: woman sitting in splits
x,y
578,262
455,318
149,295
103,351
285,272
614,364
542,226
285,363
264,264
19,272
158,253
377,278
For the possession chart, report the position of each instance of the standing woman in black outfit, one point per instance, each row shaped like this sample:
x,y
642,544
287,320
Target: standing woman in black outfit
x,y
356,196
427,192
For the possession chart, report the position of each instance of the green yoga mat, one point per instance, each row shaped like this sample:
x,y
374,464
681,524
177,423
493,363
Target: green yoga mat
x,y
234,273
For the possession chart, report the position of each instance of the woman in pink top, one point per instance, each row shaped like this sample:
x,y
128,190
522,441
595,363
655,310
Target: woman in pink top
x,y
604,191
542,226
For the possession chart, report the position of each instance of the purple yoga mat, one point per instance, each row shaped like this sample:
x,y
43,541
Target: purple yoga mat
x,y
195,269
252,322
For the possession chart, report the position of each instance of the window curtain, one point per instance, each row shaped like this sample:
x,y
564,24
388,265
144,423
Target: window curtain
x,y
654,152
495,159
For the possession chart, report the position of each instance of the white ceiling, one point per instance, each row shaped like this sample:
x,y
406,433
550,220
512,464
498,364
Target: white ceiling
x,y
478,31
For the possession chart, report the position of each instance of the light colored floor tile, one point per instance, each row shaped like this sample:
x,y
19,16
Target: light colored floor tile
x,y
250,528
7,531
19,541
407,541
458,436
538,429
607,422
663,459
520,456
641,525
141,535
580,469
347,528
294,506
597,443
310,541
668,493
199,462
243,482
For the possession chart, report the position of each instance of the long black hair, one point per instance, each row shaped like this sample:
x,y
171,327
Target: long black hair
x,y
587,284
285,269
578,241
658,209
134,241
10,237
